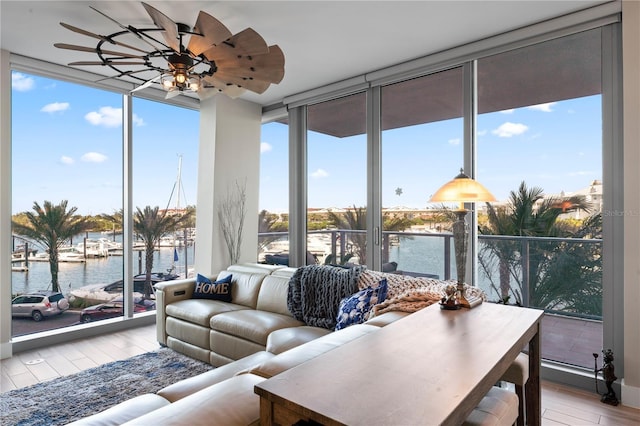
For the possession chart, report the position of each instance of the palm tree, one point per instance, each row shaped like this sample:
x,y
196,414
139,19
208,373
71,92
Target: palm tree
x,y
356,219
150,225
528,213
353,219
51,226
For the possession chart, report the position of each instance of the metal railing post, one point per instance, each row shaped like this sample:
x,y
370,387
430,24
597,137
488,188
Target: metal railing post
x,y
524,261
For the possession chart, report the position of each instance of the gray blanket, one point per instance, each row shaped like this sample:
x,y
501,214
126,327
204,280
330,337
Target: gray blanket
x,y
315,292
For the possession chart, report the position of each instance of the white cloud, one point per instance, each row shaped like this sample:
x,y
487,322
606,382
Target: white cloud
x,y
66,160
110,117
55,107
542,107
265,147
94,157
509,129
21,82
507,111
137,121
455,141
320,173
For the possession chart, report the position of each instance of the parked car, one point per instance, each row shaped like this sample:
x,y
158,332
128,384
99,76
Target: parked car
x,y
114,309
39,305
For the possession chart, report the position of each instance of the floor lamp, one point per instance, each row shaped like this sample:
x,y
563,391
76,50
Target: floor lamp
x,y
462,189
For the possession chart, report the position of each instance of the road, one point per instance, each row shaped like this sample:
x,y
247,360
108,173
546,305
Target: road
x,y
22,326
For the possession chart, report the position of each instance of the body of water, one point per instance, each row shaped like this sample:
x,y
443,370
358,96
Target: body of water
x,y
103,270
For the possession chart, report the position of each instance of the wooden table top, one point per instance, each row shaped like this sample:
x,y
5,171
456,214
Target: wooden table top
x,y
431,367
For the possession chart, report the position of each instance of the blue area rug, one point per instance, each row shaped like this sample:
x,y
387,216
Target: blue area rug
x,y
65,399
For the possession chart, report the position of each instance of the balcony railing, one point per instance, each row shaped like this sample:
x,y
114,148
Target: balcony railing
x,y
559,275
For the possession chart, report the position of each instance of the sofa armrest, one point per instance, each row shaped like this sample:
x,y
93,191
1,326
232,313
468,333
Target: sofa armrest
x,y
168,292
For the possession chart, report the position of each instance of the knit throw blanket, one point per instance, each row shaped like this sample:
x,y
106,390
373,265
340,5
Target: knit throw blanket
x,y
410,294
315,292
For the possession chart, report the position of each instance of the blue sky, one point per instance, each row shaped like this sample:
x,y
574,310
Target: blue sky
x,y
67,145
556,146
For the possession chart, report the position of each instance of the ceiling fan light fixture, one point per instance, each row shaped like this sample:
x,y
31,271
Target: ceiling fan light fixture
x,y
213,58
194,83
180,77
167,81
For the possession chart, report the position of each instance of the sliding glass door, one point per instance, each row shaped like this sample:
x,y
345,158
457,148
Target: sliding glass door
x,y
422,148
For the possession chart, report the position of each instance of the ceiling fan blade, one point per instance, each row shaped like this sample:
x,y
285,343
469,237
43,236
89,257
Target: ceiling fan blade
x,y
268,67
94,50
212,32
131,29
257,86
105,63
213,83
99,37
172,94
146,84
246,42
163,21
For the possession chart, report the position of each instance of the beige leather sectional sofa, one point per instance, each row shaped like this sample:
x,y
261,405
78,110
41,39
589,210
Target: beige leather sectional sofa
x,y
219,332
250,340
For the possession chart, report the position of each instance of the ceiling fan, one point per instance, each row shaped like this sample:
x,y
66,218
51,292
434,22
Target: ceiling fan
x,y
213,60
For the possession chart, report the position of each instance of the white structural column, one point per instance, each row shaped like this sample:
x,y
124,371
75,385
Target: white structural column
x,y
5,205
631,216
229,154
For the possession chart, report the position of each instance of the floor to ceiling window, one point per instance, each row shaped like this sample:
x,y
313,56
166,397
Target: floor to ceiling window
x,y
337,181
165,170
66,173
273,225
540,151
535,123
422,148
67,177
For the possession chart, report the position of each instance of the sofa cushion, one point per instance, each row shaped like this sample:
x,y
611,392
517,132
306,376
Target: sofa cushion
x,y
251,325
125,411
246,286
261,268
306,352
215,290
188,349
288,338
188,332
226,348
273,295
194,384
200,311
228,403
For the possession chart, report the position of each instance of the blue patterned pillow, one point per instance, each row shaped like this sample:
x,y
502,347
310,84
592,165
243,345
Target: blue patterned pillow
x,y
217,290
355,308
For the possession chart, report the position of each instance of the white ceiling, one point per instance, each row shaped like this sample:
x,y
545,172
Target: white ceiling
x,y
323,41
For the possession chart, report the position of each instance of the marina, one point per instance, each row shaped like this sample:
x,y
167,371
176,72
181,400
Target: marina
x,y
94,270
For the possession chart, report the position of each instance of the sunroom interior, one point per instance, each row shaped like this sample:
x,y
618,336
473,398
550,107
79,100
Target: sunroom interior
x,y
450,64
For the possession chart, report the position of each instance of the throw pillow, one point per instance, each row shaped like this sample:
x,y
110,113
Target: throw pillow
x,y
216,290
355,308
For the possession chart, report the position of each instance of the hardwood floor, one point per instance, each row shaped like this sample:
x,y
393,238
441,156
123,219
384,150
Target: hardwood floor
x,y
561,405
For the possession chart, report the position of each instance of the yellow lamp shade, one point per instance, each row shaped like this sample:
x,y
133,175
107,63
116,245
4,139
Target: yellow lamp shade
x,y
462,189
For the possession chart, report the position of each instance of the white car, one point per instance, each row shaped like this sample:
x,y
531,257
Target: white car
x,y
39,304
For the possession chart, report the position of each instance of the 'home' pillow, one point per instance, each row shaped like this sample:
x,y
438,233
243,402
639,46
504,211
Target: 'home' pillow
x,y
355,308
216,290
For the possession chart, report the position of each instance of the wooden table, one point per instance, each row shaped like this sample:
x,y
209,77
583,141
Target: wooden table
x,y
431,367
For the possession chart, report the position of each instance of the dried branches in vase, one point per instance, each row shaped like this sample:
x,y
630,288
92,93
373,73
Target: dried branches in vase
x,y
231,214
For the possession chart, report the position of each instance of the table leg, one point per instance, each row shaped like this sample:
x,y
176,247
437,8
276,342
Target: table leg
x,y
532,387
